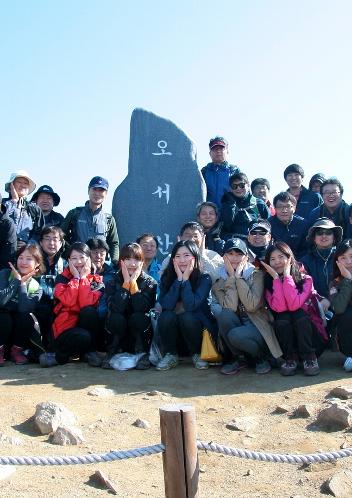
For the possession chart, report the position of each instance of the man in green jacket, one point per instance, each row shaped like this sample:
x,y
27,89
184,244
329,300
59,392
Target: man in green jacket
x,y
90,221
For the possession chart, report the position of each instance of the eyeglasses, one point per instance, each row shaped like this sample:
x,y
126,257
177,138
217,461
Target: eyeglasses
x,y
334,193
258,232
287,207
235,186
324,231
52,239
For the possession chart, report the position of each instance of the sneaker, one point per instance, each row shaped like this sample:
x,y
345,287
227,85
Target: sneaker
x,y
2,356
348,364
311,367
106,362
93,359
169,361
231,368
47,360
198,363
143,362
262,367
17,355
289,367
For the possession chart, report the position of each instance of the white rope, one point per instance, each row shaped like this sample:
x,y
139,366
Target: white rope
x,y
274,457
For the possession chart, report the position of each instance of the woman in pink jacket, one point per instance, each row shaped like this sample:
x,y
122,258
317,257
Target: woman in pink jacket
x,y
294,301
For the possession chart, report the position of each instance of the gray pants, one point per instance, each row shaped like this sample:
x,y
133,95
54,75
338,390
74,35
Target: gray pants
x,y
241,335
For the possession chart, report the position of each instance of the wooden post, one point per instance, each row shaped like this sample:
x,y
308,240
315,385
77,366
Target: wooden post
x,y
180,459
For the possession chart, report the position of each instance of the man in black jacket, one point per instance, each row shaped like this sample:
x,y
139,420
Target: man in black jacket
x,y
47,199
8,238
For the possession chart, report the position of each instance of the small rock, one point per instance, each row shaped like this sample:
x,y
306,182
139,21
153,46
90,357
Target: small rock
x,y
123,411
202,470
335,417
300,482
49,416
344,445
212,410
319,467
101,391
67,436
243,424
157,393
342,392
142,424
249,472
281,409
340,484
287,396
102,479
304,411
6,471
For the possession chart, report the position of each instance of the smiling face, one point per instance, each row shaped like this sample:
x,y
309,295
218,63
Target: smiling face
x,y
78,259
45,202
207,217
192,234
239,188
21,185
285,211
346,259
293,180
235,257
149,248
131,265
97,195
259,237
26,263
218,154
278,260
331,196
51,243
323,238
98,257
261,191
183,257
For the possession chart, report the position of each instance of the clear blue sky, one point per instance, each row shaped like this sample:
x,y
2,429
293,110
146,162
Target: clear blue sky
x,y
274,77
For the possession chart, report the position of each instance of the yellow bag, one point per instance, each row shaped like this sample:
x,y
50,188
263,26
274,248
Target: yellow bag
x,y
209,352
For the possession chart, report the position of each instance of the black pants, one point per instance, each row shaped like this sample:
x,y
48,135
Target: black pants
x,y
295,335
344,332
80,339
130,333
173,327
45,316
16,328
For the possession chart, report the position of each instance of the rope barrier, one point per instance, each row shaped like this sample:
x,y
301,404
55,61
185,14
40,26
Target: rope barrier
x,y
160,448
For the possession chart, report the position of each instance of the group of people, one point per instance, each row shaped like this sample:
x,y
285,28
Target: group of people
x,y
270,280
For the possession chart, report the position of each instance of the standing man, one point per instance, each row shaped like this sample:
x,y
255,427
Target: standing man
x,y
90,221
46,199
306,199
217,173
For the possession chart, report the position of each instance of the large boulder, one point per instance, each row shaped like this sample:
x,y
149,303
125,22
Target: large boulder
x,y
163,185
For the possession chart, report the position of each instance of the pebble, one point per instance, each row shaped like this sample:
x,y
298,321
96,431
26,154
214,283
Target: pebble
x,y
142,424
101,392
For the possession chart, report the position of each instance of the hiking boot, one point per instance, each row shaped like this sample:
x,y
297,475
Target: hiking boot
x,y
311,367
262,367
289,367
47,360
2,356
231,368
169,361
17,355
106,362
143,363
198,363
348,364
93,359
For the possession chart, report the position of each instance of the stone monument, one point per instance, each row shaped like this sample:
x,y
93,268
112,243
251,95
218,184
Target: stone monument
x,y
163,185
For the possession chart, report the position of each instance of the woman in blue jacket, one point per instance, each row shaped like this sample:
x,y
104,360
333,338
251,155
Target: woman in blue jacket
x,y
184,292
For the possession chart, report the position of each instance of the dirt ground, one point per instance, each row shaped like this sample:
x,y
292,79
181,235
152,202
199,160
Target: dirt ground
x,y
106,423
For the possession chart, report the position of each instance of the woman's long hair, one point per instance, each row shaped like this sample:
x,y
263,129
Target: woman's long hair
x,y
340,250
295,272
169,275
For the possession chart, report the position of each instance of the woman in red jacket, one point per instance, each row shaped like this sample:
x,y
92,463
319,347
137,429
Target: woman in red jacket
x,y
77,293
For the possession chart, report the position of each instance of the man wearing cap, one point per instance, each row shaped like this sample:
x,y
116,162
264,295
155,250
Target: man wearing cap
x,y
8,238
46,199
323,237
28,217
259,238
306,200
90,221
217,173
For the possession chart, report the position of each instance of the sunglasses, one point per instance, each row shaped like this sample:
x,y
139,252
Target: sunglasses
x,y
324,231
235,186
258,232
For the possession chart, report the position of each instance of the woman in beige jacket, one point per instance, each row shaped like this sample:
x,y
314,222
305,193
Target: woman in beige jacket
x,y
244,323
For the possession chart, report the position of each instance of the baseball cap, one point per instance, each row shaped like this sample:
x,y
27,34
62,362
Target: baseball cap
x,y
98,182
218,141
237,244
259,225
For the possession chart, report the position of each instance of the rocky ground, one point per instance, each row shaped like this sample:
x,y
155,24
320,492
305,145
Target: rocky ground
x,y
247,402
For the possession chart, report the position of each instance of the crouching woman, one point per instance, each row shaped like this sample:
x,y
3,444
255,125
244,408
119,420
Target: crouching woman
x,y
184,292
76,324
19,296
244,323
130,296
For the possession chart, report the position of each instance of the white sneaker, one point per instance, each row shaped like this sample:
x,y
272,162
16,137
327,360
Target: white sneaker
x,y
167,362
198,363
348,364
